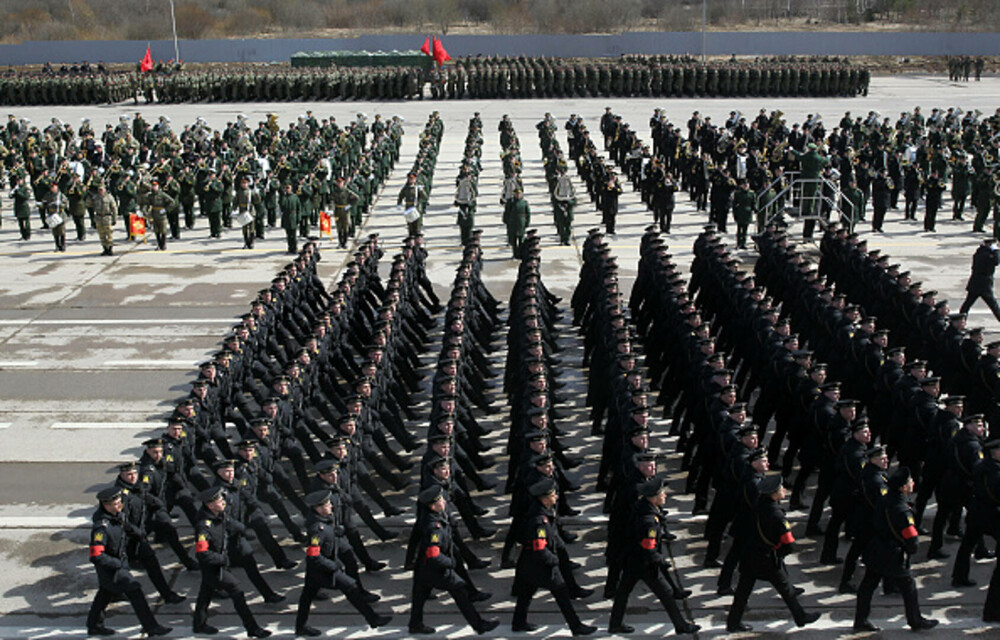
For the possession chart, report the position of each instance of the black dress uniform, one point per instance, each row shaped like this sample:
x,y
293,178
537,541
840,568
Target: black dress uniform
x,y
888,555
986,517
435,568
325,569
108,540
540,565
644,561
215,533
768,541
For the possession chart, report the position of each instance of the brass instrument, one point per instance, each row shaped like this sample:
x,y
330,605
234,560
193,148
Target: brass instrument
x,y
778,152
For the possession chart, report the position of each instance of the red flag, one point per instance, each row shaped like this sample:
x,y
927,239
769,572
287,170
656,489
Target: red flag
x,y
147,61
325,224
426,49
440,55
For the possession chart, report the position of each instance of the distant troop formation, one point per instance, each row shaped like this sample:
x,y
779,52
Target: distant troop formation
x,y
472,77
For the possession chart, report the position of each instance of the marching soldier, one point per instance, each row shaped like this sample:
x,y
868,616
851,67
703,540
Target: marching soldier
x,y
517,217
246,202
215,536
325,569
646,562
436,564
540,564
21,195
769,539
888,555
108,540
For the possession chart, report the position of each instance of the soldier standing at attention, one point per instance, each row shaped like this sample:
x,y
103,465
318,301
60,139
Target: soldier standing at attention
x,y
246,201
157,204
211,193
291,211
343,198
105,217
563,201
465,199
54,206
107,554
21,195
517,217
412,195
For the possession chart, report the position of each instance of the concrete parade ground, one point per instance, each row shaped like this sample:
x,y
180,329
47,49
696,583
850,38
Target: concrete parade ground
x,y
95,350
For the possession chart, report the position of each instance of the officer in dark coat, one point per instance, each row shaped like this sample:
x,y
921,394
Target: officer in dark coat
x,y
324,568
980,285
435,566
215,534
108,541
769,539
888,555
645,560
984,518
872,486
540,565
986,513
955,491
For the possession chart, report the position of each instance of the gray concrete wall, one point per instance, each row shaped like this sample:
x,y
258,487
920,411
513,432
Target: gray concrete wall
x,y
716,43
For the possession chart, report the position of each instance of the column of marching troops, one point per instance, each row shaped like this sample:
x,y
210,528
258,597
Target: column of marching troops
x,y
478,77
302,356
254,179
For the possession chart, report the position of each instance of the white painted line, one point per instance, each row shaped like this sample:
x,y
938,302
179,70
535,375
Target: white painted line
x,y
10,364
92,321
101,425
44,522
5,425
163,364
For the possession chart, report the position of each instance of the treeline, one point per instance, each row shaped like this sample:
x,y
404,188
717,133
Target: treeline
x,y
197,19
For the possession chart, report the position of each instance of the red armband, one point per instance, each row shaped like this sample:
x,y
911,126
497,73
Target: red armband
x,y
96,550
539,544
788,538
909,532
433,551
312,551
648,544
201,546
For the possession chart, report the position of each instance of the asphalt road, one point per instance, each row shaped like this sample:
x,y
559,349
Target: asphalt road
x,y
94,349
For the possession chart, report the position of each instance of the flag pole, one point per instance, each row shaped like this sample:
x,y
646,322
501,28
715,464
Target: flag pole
x,y
173,21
